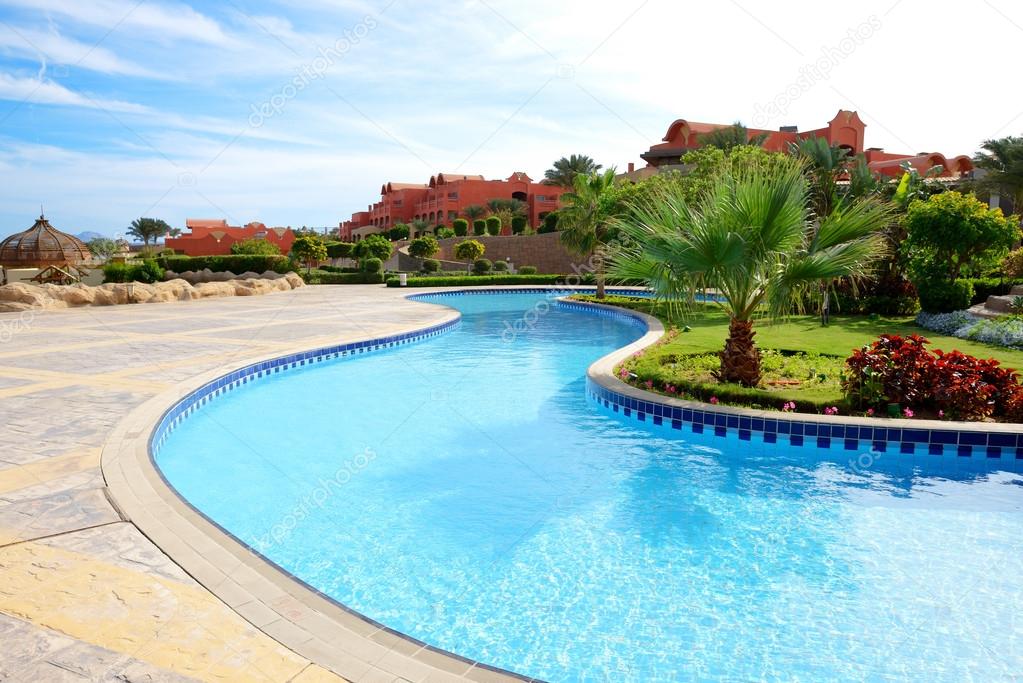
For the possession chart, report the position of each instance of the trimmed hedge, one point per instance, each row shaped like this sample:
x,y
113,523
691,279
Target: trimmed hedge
x,y
480,280
479,227
518,225
146,271
940,296
461,227
482,266
983,287
236,263
319,277
493,225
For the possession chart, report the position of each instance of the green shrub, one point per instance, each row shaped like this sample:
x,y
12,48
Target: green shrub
x,y
254,246
500,266
942,296
400,231
493,224
471,280
373,246
461,227
479,227
518,225
445,233
527,270
236,263
147,271
423,247
431,265
371,265
550,223
983,287
339,269
320,277
171,252
340,249
482,266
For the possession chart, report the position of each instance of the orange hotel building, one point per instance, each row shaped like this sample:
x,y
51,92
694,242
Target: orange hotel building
x,y
845,130
214,237
443,199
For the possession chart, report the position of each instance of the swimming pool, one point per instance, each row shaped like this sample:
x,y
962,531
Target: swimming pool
x,y
463,491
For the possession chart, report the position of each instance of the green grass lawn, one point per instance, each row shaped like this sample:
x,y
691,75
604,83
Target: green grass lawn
x,y
709,327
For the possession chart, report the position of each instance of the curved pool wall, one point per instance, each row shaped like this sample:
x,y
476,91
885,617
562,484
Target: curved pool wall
x,y
645,650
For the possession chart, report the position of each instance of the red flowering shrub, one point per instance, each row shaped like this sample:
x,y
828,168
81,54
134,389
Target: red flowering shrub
x,y
901,370
893,369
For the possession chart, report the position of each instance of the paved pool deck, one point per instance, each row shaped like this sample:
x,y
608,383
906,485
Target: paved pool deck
x,y
84,595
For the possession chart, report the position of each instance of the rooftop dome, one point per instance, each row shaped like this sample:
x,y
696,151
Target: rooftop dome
x,y
42,245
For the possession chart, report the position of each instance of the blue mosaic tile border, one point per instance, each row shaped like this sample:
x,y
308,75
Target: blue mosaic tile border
x,y
1001,446
557,289
181,410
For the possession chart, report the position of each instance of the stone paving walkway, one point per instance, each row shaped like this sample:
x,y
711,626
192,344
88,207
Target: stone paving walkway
x,y
83,594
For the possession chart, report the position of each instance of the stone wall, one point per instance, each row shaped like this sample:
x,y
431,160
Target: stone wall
x,y
543,251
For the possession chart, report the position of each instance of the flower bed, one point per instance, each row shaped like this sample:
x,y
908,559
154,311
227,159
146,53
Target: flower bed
x,y
1005,331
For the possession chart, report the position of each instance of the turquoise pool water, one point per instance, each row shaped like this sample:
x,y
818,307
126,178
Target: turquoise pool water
x,y
462,490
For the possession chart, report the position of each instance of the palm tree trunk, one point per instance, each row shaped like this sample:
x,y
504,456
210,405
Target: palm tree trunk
x,y
740,360
599,273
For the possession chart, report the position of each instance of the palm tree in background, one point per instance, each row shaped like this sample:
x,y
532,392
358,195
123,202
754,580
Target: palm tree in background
x,y
735,135
585,220
564,170
473,212
824,164
1003,161
754,239
147,229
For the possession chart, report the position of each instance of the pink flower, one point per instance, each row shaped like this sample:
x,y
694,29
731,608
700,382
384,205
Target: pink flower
x,y
870,412
714,400
672,389
907,412
649,384
788,406
941,414
831,410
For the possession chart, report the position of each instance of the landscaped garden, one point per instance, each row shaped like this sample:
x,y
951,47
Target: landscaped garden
x,y
788,242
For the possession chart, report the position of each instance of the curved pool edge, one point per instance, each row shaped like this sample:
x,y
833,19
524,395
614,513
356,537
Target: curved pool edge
x,y
998,444
271,599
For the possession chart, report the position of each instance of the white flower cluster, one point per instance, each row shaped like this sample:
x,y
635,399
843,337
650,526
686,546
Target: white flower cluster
x,y
1005,331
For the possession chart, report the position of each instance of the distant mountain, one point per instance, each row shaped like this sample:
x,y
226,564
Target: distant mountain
x,y
88,235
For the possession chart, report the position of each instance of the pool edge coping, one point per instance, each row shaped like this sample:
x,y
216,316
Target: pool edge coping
x,y
601,373
268,597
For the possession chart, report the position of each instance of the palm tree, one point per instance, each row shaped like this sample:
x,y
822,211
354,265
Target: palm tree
x,y
147,229
473,212
1003,161
585,221
824,163
735,135
753,239
419,227
565,170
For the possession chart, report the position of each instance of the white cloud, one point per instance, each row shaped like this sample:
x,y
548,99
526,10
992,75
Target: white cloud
x,y
43,91
51,47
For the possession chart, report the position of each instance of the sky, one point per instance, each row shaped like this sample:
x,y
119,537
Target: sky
x,y
296,112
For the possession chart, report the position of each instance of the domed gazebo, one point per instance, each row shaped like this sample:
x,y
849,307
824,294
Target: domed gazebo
x,y
41,246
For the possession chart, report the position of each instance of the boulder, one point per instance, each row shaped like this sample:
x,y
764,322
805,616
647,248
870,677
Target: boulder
x,y
208,289
249,275
295,280
79,295
23,293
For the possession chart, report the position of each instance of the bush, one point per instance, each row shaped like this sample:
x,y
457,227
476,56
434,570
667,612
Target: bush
x,y
480,280
943,296
445,233
482,266
1005,331
339,269
373,246
400,231
518,225
1012,265
147,271
550,223
946,323
171,252
461,227
431,265
469,250
527,270
371,265
892,369
500,266
254,246
236,264
479,227
901,370
319,277
340,249
423,247
983,287
493,224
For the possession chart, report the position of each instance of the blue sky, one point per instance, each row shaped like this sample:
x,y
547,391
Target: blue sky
x,y
294,113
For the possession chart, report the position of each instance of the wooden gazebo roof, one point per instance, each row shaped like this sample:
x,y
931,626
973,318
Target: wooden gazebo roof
x,y
40,246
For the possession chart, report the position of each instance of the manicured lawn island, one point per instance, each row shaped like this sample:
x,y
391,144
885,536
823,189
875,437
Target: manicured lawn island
x,y
804,362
